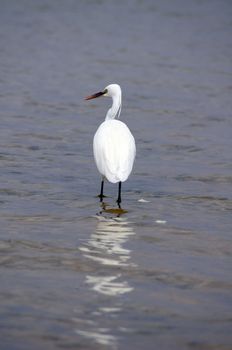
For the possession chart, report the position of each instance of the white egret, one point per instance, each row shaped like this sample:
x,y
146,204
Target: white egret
x,y
113,144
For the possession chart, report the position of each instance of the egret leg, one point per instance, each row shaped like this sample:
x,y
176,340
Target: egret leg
x,y
119,194
101,193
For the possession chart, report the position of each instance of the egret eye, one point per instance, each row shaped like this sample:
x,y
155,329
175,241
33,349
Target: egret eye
x,y
105,91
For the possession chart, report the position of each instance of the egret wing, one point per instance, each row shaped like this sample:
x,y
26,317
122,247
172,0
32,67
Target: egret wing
x,y
114,150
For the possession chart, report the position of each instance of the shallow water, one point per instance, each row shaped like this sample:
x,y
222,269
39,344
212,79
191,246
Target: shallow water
x,y
79,276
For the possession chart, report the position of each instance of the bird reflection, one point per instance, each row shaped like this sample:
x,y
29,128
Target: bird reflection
x,y
106,247
106,250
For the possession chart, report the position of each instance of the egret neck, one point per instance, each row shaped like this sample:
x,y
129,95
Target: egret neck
x,y
115,110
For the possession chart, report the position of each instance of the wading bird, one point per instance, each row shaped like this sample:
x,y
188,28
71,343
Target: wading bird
x,y
113,144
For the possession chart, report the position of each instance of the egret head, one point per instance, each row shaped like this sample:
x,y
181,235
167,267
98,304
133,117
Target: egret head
x,y
111,90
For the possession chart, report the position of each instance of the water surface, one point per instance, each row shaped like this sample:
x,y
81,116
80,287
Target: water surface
x,y
75,275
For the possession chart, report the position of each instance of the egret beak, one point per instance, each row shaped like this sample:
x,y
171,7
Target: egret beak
x,y
98,94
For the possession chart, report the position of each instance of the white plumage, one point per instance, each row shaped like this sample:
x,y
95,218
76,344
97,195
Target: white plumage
x,y
113,144
114,150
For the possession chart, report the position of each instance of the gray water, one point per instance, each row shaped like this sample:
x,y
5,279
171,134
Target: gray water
x,y
73,274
